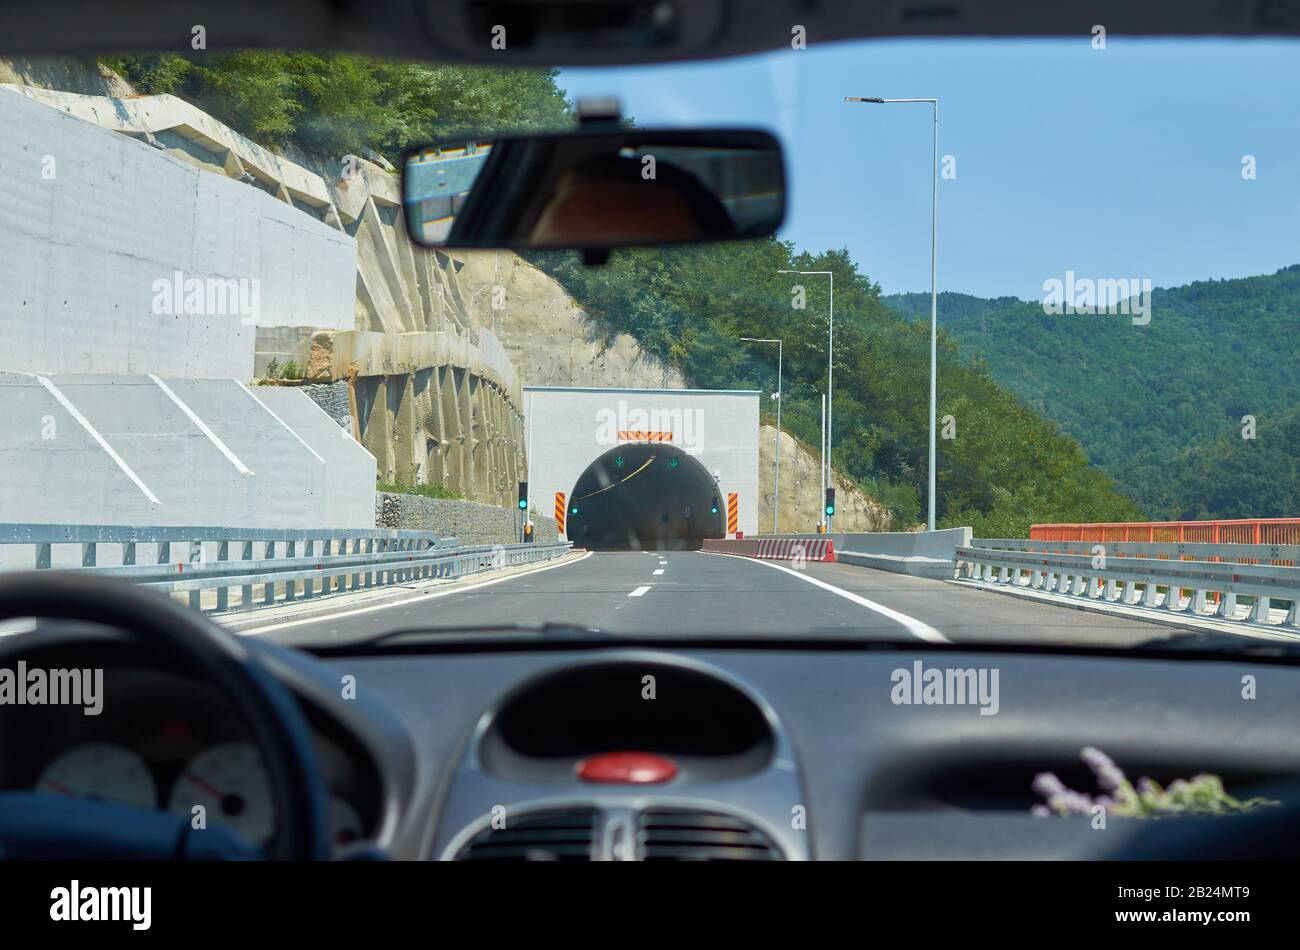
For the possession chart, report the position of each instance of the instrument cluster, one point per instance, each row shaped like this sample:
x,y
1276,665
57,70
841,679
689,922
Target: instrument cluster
x,y
164,741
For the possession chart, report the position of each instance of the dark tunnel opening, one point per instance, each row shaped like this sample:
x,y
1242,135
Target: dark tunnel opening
x,y
645,496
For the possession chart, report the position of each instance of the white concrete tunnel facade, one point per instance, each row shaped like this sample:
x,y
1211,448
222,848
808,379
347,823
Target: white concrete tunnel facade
x,y
569,428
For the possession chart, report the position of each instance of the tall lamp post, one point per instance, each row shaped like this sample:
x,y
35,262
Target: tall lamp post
x,y
934,299
776,489
830,380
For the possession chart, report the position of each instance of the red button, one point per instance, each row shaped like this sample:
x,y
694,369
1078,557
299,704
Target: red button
x,y
633,768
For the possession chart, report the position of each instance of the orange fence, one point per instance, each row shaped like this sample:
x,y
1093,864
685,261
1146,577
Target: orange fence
x,y
1245,531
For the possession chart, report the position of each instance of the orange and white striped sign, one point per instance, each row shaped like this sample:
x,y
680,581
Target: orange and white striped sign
x,y
560,511
641,435
733,512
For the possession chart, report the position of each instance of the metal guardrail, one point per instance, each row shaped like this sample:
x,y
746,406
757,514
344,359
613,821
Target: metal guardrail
x,y
1278,554
1123,574
288,564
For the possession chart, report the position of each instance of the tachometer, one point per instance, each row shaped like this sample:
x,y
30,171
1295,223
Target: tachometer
x,y
103,771
230,783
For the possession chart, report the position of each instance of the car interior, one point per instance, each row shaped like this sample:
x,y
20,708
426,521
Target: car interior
x,y
538,743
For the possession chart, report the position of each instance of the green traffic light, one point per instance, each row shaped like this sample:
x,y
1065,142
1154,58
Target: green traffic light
x,y
523,502
830,509
714,509
573,511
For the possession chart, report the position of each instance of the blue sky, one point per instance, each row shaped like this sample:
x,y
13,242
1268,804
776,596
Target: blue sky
x,y
1122,162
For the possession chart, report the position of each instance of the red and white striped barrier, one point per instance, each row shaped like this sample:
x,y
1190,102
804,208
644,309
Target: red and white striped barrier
x,y
776,549
789,549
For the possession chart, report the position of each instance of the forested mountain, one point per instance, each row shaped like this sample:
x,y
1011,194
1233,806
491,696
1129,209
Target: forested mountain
x,y
1159,407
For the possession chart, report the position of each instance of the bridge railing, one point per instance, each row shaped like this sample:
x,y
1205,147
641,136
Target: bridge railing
x,y
1149,575
1238,531
207,563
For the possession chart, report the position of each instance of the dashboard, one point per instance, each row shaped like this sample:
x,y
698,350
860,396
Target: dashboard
x,y
483,751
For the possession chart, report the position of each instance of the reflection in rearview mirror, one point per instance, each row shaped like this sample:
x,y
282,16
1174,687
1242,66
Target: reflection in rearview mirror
x,y
595,190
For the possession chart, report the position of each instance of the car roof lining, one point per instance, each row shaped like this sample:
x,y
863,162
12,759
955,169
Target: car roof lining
x,y
449,30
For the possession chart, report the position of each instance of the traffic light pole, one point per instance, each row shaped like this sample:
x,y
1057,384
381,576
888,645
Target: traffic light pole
x,y
523,510
822,518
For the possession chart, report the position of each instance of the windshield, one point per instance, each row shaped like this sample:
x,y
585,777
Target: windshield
x,y
1025,342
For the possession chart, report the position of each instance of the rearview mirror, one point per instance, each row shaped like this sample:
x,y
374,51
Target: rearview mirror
x,y
595,190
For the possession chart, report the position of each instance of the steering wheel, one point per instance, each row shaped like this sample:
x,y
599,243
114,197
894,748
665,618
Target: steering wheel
x,y
48,826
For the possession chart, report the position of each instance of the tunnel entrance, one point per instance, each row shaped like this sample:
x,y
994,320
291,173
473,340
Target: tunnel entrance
x,y
645,496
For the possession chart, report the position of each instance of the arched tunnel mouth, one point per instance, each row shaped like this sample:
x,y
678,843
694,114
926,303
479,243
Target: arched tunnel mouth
x,y
645,496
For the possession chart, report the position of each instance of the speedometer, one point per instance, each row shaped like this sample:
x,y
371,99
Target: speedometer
x,y
103,771
229,783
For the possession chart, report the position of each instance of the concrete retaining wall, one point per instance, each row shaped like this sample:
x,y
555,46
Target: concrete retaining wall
x,y
93,220
142,188
470,522
140,450
349,467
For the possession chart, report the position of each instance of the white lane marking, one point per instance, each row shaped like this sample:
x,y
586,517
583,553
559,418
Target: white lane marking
x,y
915,627
454,589
82,421
202,426
639,591
658,572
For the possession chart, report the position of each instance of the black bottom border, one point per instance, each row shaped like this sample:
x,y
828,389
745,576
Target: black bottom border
x,y
1038,899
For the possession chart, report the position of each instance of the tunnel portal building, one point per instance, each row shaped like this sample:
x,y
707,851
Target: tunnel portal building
x,y
643,468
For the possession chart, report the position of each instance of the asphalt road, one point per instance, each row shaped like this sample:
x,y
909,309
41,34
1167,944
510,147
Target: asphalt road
x,y
697,594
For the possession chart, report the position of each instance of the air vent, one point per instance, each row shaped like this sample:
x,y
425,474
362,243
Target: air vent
x,y
679,835
562,835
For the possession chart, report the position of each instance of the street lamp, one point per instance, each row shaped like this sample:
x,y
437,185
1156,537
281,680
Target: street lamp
x,y
776,489
934,299
830,377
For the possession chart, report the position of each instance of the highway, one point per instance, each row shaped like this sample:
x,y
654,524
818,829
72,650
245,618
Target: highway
x,y
694,594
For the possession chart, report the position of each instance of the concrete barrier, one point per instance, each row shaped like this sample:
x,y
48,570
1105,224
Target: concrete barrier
x,y
815,548
916,553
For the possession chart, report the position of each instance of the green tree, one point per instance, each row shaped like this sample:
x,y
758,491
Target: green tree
x,y
338,103
1160,406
